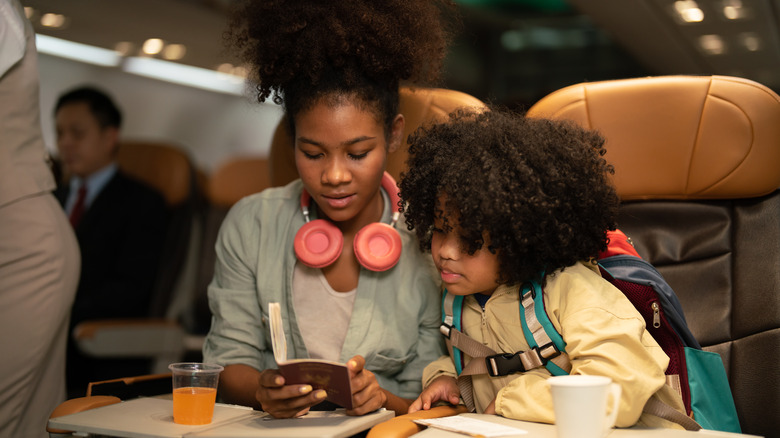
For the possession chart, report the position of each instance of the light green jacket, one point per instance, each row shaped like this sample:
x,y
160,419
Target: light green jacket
x,y
396,315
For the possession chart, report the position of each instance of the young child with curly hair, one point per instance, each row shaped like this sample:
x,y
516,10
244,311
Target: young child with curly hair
x,y
335,66
499,200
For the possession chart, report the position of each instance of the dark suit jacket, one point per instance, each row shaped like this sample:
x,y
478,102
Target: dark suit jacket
x,y
121,236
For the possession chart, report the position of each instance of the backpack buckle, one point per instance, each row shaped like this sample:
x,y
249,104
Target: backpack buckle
x,y
445,329
547,352
507,363
527,290
503,364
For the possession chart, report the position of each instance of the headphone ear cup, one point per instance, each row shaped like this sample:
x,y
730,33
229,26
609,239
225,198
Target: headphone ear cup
x,y
377,246
318,243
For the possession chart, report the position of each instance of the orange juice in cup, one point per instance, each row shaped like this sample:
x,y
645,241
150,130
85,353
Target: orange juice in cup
x,y
194,392
193,405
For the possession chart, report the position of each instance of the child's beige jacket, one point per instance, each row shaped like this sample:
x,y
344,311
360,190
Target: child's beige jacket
x,y
604,335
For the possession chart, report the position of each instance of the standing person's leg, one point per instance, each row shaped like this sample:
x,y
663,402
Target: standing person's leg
x,y
39,270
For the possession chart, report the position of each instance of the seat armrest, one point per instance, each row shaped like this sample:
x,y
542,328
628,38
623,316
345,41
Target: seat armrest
x,y
80,404
160,339
128,337
404,426
131,387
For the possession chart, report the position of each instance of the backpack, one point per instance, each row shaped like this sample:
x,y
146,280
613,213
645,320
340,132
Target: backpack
x,y
698,376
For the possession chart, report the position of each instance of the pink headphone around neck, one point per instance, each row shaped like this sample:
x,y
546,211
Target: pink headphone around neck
x,y
377,245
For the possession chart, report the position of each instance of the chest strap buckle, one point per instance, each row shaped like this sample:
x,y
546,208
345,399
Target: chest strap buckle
x,y
507,363
504,364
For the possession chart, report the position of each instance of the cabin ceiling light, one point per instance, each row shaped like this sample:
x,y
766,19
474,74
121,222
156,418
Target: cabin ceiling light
x,y
173,52
225,67
689,11
733,9
231,82
712,44
184,75
153,46
750,40
124,48
76,51
54,21
238,71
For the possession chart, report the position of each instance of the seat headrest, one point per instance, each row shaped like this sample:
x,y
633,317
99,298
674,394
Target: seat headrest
x,y
163,167
423,106
680,137
418,106
236,178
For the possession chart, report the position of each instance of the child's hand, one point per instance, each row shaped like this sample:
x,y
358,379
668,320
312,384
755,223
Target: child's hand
x,y
442,388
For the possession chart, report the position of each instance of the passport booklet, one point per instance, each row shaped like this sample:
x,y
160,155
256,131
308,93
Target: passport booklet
x,y
331,376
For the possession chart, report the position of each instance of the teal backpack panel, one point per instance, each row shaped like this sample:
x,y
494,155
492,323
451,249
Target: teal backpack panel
x,y
711,401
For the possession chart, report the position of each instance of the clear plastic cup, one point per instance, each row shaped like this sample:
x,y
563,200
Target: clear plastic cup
x,y
194,391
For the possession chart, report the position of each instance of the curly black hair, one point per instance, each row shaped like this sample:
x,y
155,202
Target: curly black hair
x,y
539,188
301,51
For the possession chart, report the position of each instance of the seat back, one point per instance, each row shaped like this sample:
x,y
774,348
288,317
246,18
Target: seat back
x,y
236,178
418,105
697,166
168,169
227,184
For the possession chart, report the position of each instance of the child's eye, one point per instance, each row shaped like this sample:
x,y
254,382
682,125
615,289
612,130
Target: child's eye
x,y
358,156
436,230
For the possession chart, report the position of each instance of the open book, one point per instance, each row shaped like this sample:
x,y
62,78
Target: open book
x,y
331,376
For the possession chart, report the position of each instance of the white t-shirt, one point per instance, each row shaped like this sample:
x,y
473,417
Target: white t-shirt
x,y
322,313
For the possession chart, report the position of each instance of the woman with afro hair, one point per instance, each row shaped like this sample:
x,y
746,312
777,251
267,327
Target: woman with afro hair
x,y
500,200
336,67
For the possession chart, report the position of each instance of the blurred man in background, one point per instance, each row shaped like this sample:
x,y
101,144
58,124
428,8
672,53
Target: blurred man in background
x,y
120,224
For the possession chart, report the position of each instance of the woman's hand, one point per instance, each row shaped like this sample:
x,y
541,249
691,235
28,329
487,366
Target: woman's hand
x,y
285,401
442,388
367,395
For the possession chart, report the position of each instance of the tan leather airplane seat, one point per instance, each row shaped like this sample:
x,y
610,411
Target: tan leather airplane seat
x,y
697,164
169,169
230,181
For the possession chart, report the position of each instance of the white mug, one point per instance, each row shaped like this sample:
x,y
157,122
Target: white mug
x,y
581,409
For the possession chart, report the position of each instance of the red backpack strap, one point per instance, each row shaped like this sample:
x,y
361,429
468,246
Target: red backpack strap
x,y
618,243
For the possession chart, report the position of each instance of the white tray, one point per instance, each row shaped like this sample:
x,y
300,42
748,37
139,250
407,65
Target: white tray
x,y
153,418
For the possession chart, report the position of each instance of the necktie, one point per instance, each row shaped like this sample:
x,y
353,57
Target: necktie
x,y
78,207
